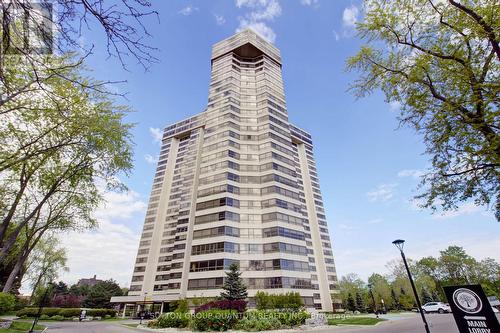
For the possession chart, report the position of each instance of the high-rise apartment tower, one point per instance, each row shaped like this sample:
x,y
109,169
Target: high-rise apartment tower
x,y
236,183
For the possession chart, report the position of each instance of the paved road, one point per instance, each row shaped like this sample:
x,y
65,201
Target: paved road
x,y
443,323
89,327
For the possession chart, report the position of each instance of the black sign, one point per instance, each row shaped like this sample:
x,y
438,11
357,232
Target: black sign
x,y
471,309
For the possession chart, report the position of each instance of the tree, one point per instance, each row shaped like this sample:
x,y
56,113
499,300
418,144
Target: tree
x,y
350,284
100,294
425,296
45,264
440,61
395,300
351,305
456,266
57,158
381,289
360,304
234,288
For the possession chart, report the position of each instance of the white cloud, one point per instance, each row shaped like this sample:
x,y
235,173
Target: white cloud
x,y
150,159
350,16
336,35
394,106
259,27
465,209
260,12
188,10
120,205
109,251
383,192
346,227
375,221
309,2
414,173
219,19
156,133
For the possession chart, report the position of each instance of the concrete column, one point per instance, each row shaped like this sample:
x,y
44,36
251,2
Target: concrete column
x,y
161,308
124,309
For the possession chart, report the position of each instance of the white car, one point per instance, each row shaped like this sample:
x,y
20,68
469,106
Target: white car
x,y
436,307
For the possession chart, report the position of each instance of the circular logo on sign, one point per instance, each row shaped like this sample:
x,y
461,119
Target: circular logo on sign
x,y
467,300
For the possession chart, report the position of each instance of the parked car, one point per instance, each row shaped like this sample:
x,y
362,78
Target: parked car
x,y
439,307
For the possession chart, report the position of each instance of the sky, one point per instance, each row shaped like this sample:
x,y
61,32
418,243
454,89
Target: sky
x,y
368,167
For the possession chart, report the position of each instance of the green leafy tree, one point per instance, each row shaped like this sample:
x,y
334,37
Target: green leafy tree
x,y
360,303
57,159
351,284
440,61
45,263
351,305
435,296
7,302
79,290
100,294
234,288
395,300
381,289
425,296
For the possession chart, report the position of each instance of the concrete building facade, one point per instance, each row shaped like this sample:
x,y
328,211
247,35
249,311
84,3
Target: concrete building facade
x,y
236,183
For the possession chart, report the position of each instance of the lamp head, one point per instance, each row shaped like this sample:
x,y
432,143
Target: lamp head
x,y
399,243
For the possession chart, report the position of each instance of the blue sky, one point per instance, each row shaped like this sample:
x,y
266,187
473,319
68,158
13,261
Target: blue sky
x,y
368,168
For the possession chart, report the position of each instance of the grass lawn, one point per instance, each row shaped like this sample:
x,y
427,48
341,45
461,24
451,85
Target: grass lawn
x,y
20,327
355,321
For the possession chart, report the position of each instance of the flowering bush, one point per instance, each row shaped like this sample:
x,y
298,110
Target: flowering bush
x,y
237,305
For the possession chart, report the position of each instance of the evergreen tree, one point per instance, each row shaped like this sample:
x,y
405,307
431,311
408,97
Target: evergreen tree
x,y
426,296
435,296
351,306
395,299
234,288
360,304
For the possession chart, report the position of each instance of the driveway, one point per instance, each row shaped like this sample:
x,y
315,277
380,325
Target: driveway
x,y
90,327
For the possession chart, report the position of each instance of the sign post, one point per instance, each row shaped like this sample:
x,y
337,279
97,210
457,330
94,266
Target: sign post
x,y
471,309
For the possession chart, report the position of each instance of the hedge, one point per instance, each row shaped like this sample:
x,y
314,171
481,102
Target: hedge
x,y
238,305
65,312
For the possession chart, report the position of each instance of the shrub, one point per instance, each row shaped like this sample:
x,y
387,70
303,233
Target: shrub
x,y
253,324
7,302
21,303
237,305
153,323
290,301
68,313
65,312
181,306
215,320
173,319
286,318
44,317
293,318
57,317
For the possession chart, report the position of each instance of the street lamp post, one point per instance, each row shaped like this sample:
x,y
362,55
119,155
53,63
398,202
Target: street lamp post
x,y
399,243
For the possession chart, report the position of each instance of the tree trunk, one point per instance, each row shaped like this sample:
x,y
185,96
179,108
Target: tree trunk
x,y
12,276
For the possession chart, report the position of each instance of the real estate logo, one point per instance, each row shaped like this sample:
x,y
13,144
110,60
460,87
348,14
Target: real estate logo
x,y
467,300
